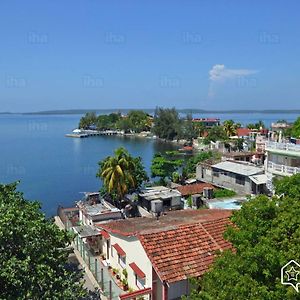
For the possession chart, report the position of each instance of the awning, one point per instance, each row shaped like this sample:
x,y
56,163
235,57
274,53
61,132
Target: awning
x,y
137,270
136,294
259,179
105,234
119,249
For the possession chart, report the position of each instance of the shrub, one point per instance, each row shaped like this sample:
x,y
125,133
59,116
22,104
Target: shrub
x,y
222,193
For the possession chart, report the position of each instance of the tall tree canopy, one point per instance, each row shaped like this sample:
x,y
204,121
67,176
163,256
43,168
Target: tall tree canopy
x,y
88,120
121,173
164,165
265,238
33,262
139,120
295,131
166,123
230,127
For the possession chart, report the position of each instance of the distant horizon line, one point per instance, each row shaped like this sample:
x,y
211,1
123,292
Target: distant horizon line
x,y
180,110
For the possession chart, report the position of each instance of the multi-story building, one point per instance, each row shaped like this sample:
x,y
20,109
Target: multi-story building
x,y
160,256
282,159
207,122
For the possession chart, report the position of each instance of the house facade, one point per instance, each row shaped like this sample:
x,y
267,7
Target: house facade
x,y
160,256
282,159
170,198
241,177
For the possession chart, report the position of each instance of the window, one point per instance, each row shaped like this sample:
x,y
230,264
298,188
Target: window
x,y
122,261
139,282
239,179
216,174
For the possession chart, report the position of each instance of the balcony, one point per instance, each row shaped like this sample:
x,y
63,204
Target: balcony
x,y
282,169
284,148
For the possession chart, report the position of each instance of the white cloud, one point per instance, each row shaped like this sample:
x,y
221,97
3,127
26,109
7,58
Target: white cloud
x,y
219,74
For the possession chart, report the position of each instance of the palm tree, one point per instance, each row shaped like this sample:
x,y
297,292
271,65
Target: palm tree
x,y
230,128
117,173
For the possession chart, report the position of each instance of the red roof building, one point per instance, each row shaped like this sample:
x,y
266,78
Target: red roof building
x,y
162,254
192,189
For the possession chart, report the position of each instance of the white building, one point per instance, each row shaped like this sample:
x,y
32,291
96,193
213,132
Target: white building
x,y
159,256
282,159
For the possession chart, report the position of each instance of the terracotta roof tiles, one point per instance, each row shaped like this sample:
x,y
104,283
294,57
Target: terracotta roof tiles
x,y
186,251
192,189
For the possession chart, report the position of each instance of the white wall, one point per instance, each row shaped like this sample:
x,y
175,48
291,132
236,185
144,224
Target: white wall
x,y
134,253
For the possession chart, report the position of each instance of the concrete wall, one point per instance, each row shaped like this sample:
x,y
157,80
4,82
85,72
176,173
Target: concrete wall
x,y
224,179
134,253
178,289
283,160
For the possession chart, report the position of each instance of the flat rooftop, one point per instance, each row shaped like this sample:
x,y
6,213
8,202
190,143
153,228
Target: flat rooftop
x,y
159,192
97,209
238,168
169,221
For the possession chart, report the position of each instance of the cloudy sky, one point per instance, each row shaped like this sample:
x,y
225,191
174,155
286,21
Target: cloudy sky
x,y
63,54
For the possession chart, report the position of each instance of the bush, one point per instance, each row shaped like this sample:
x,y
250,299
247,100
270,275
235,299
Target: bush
x,y
222,193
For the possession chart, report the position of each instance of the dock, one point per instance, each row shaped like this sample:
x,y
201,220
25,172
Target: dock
x,y
88,133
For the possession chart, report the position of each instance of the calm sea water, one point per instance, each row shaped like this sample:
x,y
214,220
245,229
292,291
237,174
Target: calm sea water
x,y
55,170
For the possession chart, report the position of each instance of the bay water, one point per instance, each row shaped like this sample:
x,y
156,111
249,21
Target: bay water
x,y
55,170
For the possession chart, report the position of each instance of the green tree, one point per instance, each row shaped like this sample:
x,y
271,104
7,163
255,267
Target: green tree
x,y
189,131
33,259
216,133
164,165
230,127
124,124
138,120
191,164
295,131
166,123
121,173
88,120
265,237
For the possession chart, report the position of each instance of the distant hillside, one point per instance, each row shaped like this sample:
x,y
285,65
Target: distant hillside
x,y
186,110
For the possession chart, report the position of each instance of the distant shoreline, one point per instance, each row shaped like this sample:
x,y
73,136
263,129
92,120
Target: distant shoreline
x,y
192,110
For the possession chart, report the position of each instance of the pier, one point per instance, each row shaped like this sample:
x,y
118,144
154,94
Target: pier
x,y
87,133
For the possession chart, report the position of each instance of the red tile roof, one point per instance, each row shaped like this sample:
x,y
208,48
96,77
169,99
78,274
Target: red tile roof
x,y
192,189
136,294
137,270
243,131
187,250
134,226
119,249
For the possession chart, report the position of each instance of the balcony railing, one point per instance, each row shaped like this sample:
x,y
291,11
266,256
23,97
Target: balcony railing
x,y
284,170
282,146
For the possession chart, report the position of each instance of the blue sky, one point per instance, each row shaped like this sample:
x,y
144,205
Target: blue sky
x,y
60,54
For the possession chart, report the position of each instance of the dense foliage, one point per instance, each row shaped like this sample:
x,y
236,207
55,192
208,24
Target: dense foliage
x,y
216,133
136,121
295,131
166,123
222,193
230,127
33,259
121,173
164,165
265,238
259,125
191,164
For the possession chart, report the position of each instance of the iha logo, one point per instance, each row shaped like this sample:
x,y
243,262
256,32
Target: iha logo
x,y
290,274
